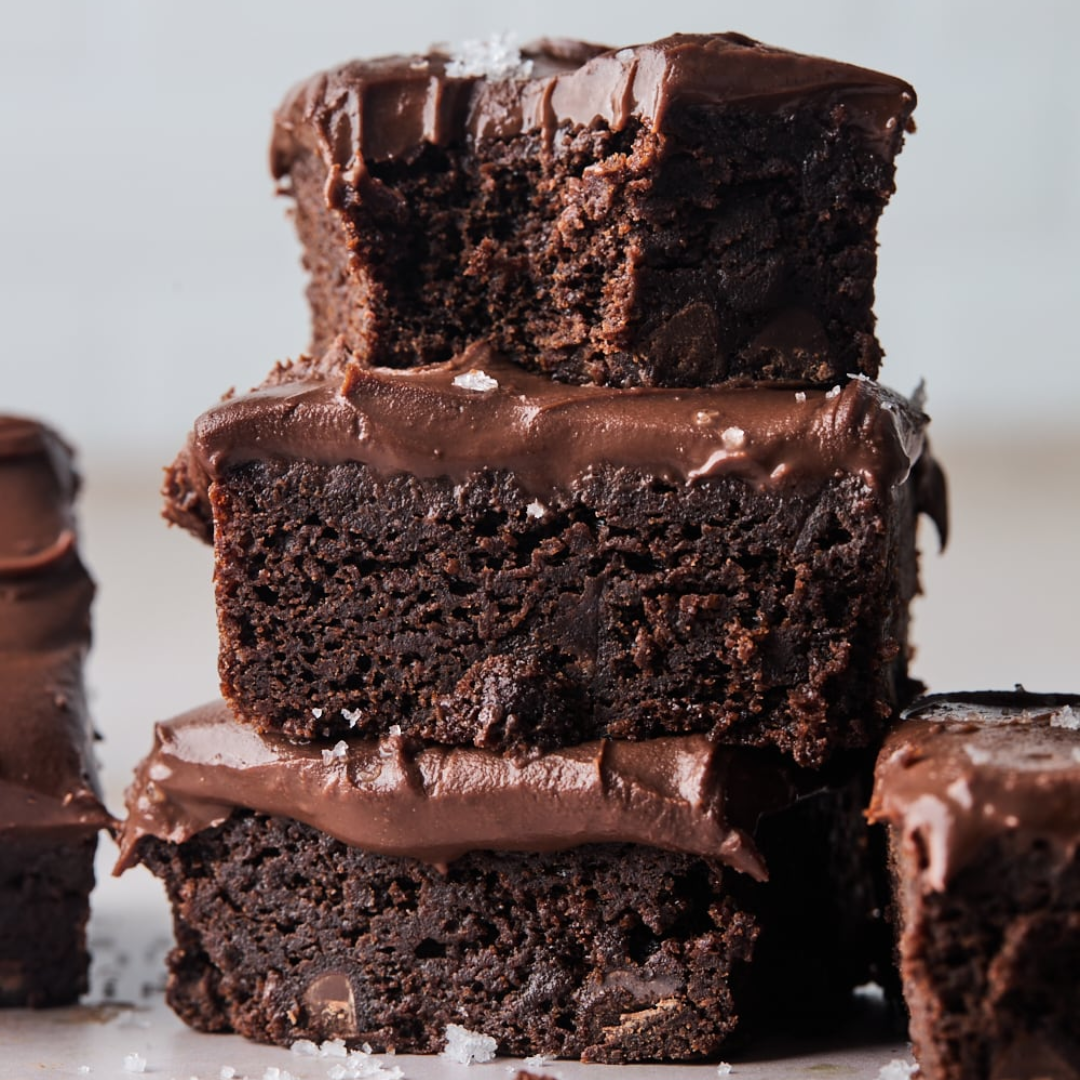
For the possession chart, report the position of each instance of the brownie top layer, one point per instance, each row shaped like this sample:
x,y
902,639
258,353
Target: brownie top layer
x,y
963,768
382,109
47,774
480,412
394,796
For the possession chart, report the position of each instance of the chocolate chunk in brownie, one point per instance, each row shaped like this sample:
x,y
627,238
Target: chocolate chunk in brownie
x,y
50,811
483,556
678,213
610,951
981,793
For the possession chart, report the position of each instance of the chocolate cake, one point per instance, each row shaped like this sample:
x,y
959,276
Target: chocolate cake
x,y
981,793
679,213
483,556
50,810
607,902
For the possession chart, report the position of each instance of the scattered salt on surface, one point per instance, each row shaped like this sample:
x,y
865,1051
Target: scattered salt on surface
x,y
830,394
134,1063
274,1073
624,55
334,1048
898,1070
352,715
227,1073
1065,717
538,1061
724,1069
800,396
395,729
476,380
497,57
465,1047
304,1048
977,754
536,509
317,713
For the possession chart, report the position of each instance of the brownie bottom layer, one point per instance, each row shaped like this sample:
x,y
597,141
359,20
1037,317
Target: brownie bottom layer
x,y
990,965
44,906
611,953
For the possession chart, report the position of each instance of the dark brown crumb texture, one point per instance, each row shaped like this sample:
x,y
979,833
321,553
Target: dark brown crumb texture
x,y
45,887
611,953
990,965
632,608
737,244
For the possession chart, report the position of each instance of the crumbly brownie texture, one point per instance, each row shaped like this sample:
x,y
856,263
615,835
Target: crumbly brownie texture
x,y
50,811
981,793
646,566
612,953
675,214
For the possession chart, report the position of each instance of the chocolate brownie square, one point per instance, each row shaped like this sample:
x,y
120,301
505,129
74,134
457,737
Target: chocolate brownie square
x,y
678,213
981,793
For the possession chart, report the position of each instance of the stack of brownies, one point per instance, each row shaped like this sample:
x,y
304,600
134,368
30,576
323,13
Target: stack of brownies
x,y
563,590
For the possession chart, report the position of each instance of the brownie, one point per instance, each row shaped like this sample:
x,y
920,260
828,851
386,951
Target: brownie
x,y
484,556
981,793
585,946
678,213
50,810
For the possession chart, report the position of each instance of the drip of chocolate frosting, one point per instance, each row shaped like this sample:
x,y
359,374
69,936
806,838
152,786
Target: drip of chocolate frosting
x,y
479,412
47,775
963,768
394,797
381,110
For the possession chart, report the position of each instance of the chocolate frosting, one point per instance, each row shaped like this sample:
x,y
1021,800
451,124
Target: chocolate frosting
x,y
393,796
963,768
47,775
383,109
480,412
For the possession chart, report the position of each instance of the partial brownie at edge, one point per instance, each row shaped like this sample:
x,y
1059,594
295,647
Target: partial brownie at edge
x,y
677,213
50,811
981,793
613,952
737,562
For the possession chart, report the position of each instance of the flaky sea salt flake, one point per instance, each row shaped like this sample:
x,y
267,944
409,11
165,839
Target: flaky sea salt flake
x,y
334,1048
464,1046
479,381
304,1048
976,754
898,1070
227,1073
800,396
1066,717
350,715
734,438
724,1069
496,58
134,1063
536,509
317,713
395,729
833,393
538,1061
274,1073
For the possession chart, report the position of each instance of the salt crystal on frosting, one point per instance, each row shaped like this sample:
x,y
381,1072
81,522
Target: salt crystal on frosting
x,y
496,58
1066,718
465,1047
960,793
352,715
339,753
734,438
830,394
800,396
536,509
476,380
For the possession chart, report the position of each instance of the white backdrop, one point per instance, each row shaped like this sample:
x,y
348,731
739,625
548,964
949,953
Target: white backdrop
x,y
145,265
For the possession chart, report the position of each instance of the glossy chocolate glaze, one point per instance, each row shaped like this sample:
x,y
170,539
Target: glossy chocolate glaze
x,y
428,422
47,775
963,768
381,110
393,796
